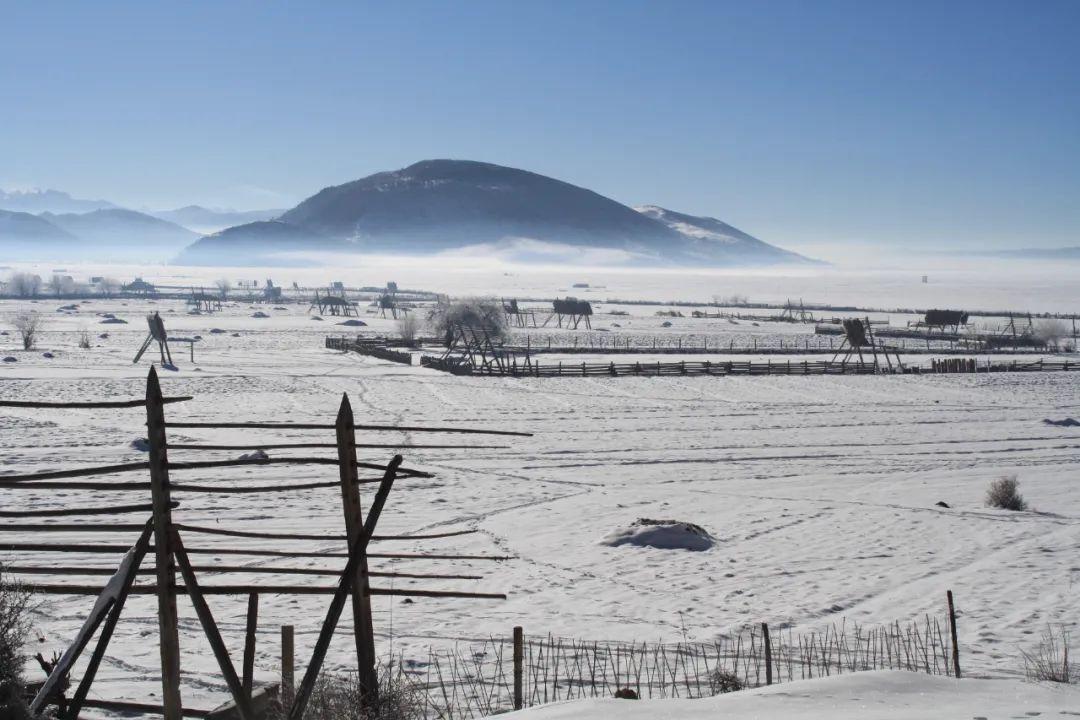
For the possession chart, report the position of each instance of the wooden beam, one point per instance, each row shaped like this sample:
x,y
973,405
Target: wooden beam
x,y
249,644
333,614
168,631
209,625
363,632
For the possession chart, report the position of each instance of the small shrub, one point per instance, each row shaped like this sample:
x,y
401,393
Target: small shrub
x,y
28,324
724,681
338,697
84,340
408,328
15,609
1050,661
1003,494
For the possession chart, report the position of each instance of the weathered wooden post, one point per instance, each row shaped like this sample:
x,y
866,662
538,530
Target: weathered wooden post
x,y
768,653
249,644
168,633
288,677
363,631
519,674
952,631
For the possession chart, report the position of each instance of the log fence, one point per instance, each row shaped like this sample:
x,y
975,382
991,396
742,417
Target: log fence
x,y
161,541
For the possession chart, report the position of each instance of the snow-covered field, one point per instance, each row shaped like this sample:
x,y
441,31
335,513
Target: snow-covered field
x,y
820,492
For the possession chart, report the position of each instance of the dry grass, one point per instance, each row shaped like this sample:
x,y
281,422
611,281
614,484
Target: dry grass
x,y
1050,660
28,325
1003,493
339,697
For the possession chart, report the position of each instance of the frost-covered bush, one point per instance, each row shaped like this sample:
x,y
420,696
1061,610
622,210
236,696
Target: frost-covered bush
x,y
1003,493
24,285
14,623
481,314
408,327
338,697
28,324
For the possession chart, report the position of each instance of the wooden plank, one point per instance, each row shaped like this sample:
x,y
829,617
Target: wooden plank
x,y
249,644
78,472
288,676
67,512
209,625
89,405
363,632
168,632
952,633
139,552
519,659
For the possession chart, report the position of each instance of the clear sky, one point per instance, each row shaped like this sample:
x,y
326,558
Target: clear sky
x,y
804,123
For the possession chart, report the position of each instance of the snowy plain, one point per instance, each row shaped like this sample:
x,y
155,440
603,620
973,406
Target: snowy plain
x,y
819,491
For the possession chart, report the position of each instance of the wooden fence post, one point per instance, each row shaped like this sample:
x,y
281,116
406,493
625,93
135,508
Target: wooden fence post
x,y
168,633
288,677
249,644
519,656
768,653
354,523
952,631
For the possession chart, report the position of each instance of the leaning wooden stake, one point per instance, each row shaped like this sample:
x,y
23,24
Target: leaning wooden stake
x,y
952,631
354,524
168,633
519,655
768,653
356,551
209,625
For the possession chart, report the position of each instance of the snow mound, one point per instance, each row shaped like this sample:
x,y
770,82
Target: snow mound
x,y
1067,422
259,314
878,695
11,358
254,456
663,534
353,323
140,444
113,321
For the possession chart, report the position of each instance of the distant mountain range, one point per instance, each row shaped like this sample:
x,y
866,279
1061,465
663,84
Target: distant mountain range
x,y
54,201
210,220
458,205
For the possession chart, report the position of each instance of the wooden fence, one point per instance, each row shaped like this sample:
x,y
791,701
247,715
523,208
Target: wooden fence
x,y
500,674
374,349
159,537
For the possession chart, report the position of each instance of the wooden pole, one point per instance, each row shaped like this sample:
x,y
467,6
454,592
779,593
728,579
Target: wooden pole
x,y
519,655
363,631
288,678
168,633
952,631
768,653
249,644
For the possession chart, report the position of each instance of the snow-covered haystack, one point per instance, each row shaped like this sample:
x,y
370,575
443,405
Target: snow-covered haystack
x,y
256,456
663,534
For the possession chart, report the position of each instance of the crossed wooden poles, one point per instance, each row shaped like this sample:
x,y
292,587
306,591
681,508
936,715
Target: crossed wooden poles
x,y
161,536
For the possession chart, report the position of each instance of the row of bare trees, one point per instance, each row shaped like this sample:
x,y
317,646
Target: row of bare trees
x,y
28,285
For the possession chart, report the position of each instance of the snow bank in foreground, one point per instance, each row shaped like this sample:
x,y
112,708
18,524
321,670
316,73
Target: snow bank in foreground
x,y
881,695
663,534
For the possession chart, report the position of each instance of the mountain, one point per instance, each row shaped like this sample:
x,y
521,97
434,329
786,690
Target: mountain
x,y
54,201
718,239
211,220
19,228
1063,253
455,205
123,229
255,243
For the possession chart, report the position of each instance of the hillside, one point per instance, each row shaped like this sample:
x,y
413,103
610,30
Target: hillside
x,y
116,228
54,201
452,205
206,221
23,229
254,243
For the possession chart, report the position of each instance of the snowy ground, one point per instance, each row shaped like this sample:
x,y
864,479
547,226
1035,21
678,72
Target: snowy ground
x,y
820,491
882,695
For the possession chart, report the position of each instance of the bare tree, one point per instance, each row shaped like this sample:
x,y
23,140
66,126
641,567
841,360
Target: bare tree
x,y
1051,332
223,286
28,324
61,285
108,286
408,327
24,285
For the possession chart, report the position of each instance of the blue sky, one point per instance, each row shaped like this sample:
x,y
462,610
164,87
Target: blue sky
x,y
805,123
